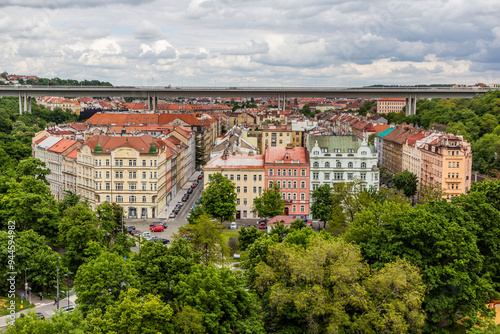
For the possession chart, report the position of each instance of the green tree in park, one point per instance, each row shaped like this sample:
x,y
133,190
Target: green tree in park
x,y
78,228
269,204
100,281
219,198
246,237
207,239
218,295
438,239
159,267
407,182
326,287
323,202
131,313
59,322
298,224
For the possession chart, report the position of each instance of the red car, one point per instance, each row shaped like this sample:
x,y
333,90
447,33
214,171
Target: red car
x,y
157,228
262,225
200,176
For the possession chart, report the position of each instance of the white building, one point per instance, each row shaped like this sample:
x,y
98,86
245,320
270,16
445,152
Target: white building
x,y
336,159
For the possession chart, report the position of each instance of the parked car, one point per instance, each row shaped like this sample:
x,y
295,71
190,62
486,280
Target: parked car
x,y
190,191
200,176
68,308
130,229
233,226
164,241
172,215
135,232
39,315
157,228
185,198
146,235
188,215
309,224
262,225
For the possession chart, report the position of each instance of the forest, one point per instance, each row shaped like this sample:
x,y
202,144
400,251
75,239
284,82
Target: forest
x,y
391,268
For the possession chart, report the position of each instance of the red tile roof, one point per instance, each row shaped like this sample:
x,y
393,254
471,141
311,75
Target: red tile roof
x,y
283,153
109,143
62,145
72,154
188,118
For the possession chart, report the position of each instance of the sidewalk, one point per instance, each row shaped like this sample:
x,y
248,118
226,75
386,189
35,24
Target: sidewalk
x,y
46,306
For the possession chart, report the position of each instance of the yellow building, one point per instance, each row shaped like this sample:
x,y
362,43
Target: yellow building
x,y
246,172
129,171
277,136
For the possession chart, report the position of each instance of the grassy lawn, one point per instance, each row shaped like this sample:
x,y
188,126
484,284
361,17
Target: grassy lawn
x,y
5,303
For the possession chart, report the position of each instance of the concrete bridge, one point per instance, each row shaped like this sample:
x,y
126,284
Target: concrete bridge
x,y
152,93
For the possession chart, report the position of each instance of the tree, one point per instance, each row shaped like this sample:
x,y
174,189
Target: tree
x,y
269,203
325,286
323,201
159,267
247,237
207,239
218,295
219,198
100,281
406,182
70,199
436,238
386,177
298,224
59,322
131,313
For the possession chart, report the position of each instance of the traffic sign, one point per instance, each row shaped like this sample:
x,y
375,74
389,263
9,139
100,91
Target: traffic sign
x,y
25,285
22,295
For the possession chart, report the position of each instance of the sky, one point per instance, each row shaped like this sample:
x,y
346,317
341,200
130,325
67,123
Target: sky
x,y
257,43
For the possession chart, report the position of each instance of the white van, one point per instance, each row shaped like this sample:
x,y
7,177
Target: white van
x,y
233,226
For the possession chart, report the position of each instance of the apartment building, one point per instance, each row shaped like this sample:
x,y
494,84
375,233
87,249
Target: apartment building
x,y
335,159
393,148
379,145
280,135
129,171
246,171
411,154
388,105
447,163
290,168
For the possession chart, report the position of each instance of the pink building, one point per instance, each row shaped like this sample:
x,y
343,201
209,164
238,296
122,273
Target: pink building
x,y
289,167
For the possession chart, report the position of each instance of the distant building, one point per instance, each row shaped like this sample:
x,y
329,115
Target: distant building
x,y
336,159
388,105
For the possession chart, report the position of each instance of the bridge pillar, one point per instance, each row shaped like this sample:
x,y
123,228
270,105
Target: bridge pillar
x,y
25,104
155,102
279,100
411,104
29,104
20,104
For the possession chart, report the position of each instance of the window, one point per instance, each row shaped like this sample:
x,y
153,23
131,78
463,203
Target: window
x,y
327,176
132,186
294,196
453,165
255,177
270,185
363,165
350,165
238,201
289,196
289,172
144,187
254,190
338,176
260,190
339,164
132,162
458,164
294,172
349,176
294,184
231,177
283,196
143,163
107,174
363,152
303,184
245,211
376,177
449,164
279,183
302,208
363,176
281,141
327,164
118,162
289,184
144,199
108,186
118,186
260,177
238,189
132,175
119,175
279,171
131,199
315,186
108,199
271,172
303,172
244,177
294,208
244,201
245,189
316,165
107,162
238,177
119,198
302,196
315,176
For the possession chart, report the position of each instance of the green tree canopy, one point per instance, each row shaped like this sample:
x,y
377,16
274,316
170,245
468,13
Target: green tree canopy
x,y
269,203
407,182
219,198
323,202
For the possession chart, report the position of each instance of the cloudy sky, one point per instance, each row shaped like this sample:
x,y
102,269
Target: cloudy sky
x,y
253,42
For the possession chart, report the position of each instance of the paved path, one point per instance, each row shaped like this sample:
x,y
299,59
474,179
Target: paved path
x,y
45,306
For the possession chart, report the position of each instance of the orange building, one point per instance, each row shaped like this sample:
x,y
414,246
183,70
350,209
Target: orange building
x,y
387,105
447,163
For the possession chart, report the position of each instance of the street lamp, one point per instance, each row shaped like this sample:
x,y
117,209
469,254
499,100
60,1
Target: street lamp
x,y
67,286
57,296
26,283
